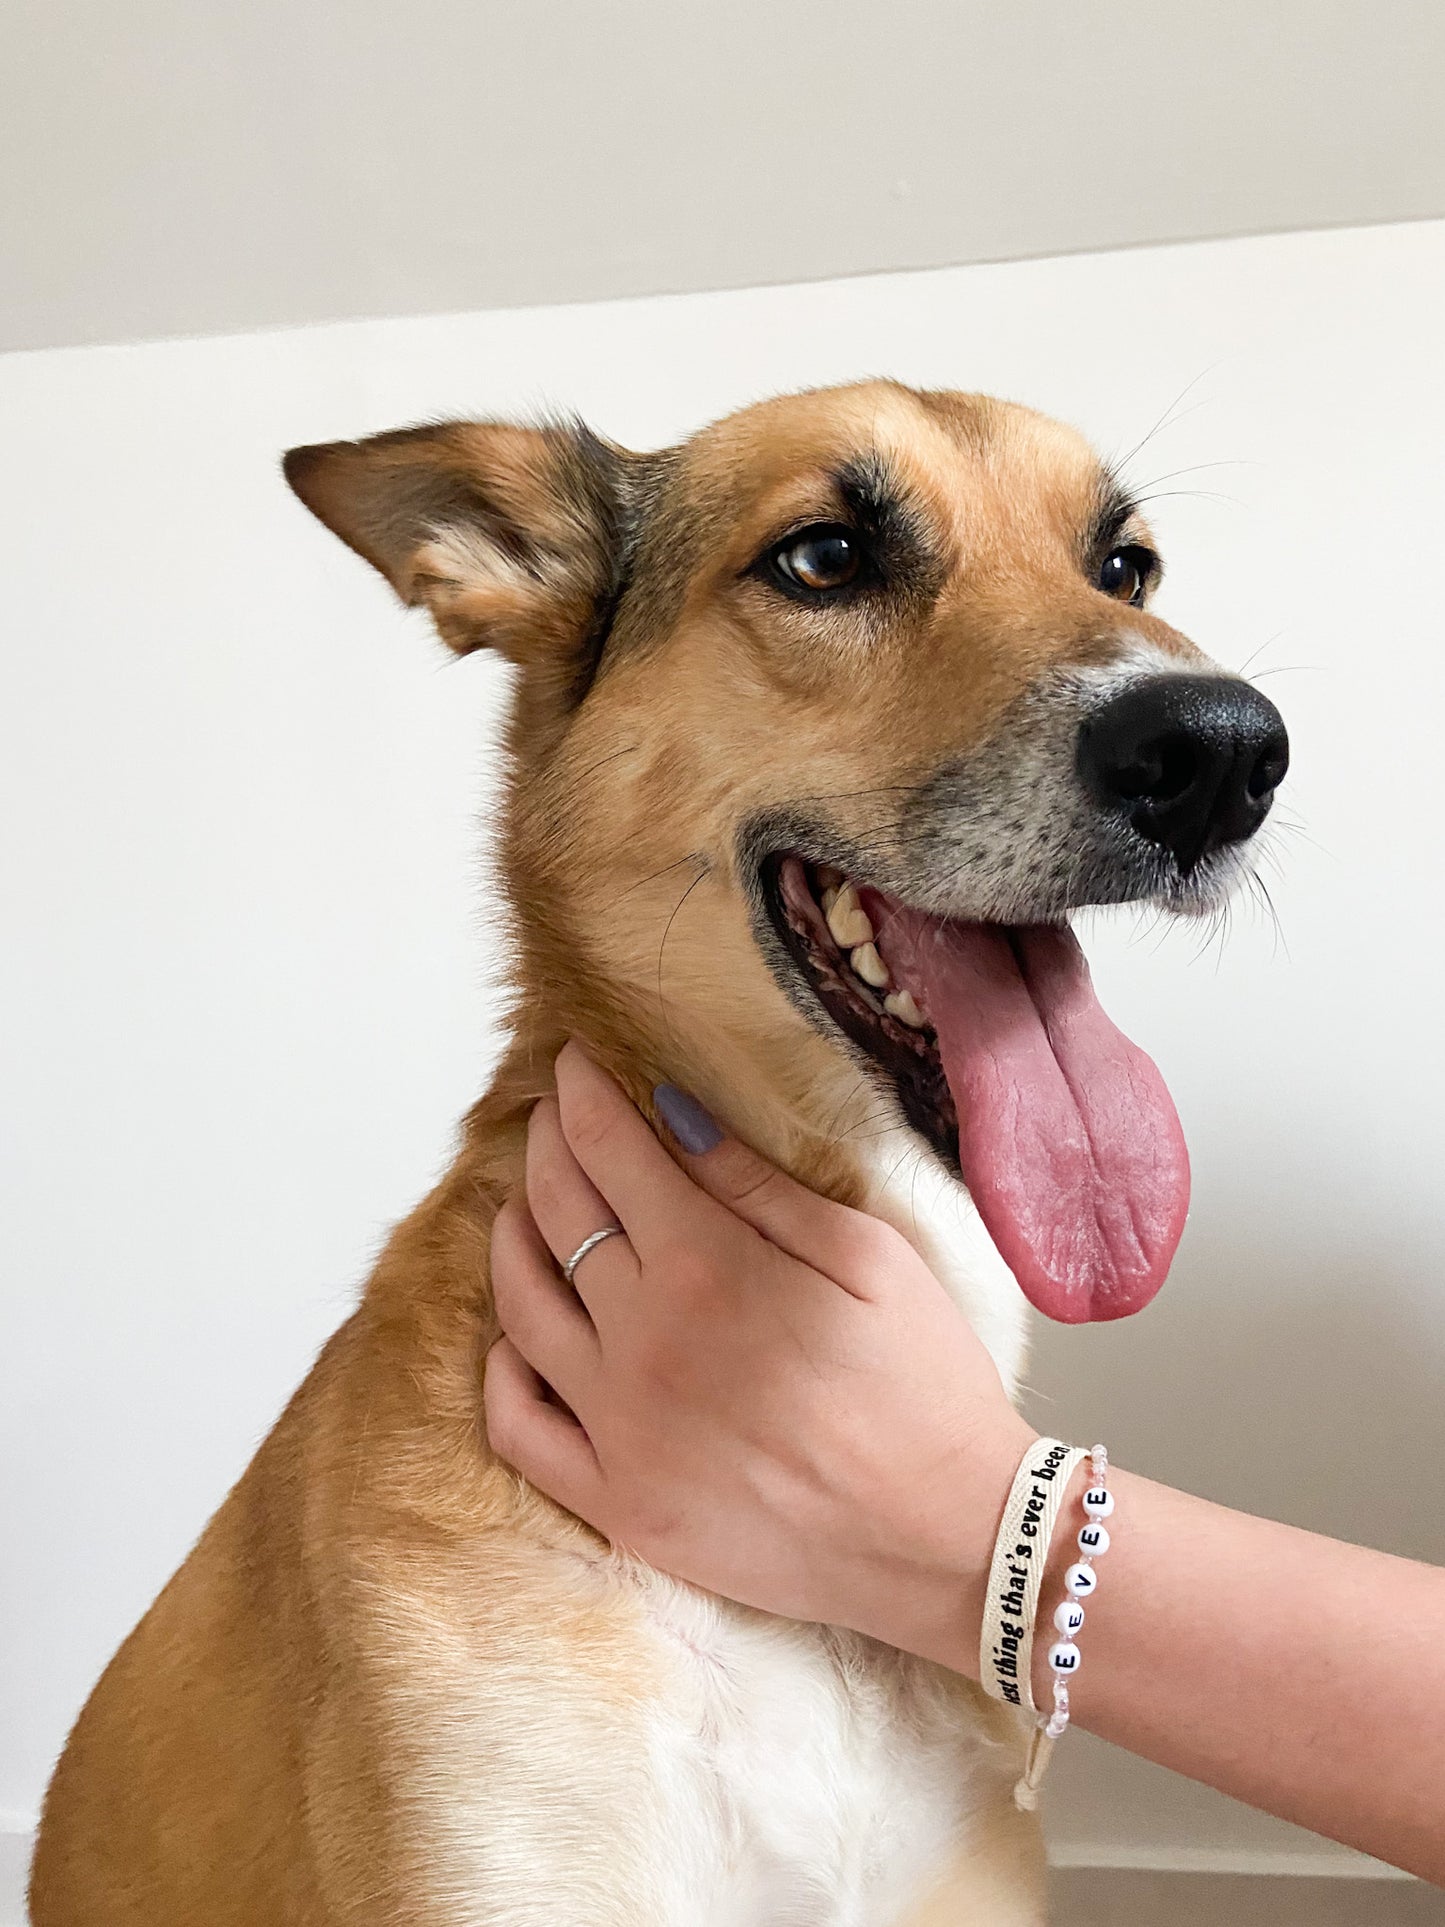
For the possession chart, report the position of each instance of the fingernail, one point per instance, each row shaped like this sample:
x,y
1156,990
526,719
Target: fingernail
x,y
695,1129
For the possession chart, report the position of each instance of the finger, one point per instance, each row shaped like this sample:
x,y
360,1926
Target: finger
x,y
540,1313
567,1208
658,1203
529,1431
654,1201
818,1231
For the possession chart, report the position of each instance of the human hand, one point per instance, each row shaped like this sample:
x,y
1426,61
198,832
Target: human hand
x,y
767,1394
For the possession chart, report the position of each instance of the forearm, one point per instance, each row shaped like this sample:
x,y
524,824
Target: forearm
x,y
1295,1673
1302,1676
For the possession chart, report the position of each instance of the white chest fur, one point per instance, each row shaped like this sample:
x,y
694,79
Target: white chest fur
x,y
913,1192
724,1769
806,1778
821,1779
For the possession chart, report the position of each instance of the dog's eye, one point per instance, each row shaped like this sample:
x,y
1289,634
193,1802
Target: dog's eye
x,y
1125,573
818,559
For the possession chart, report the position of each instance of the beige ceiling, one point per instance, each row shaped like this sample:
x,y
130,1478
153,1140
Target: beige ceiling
x,y
190,166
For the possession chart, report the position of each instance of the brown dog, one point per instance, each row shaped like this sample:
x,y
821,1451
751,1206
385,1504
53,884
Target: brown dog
x,y
865,637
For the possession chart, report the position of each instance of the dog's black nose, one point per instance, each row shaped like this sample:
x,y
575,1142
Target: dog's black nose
x,y
1192,762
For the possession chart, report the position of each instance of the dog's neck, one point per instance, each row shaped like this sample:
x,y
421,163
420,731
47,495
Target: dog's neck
x,y
888,1172
776,1122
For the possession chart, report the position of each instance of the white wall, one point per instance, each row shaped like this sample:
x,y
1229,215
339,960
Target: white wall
x,y
244,988
191,169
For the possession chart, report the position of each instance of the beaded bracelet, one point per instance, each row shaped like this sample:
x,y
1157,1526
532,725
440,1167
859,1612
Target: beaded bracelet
x,y
1064,1656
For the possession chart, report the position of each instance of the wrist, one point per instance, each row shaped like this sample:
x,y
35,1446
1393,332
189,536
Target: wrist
x,y
936,1604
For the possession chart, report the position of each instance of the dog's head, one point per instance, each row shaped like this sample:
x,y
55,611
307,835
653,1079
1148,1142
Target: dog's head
x,y
825,722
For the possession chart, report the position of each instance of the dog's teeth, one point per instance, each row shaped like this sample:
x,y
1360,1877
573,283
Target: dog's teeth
x,y
848,921
902,1006
868,965
829,898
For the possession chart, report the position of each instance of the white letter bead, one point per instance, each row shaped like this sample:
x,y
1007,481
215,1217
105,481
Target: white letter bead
x,y
1080,1581
1098,1502
1064,1656
1094,1539
1069,1617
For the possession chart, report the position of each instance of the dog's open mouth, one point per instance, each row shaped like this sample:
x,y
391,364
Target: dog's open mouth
x,y
1000,1055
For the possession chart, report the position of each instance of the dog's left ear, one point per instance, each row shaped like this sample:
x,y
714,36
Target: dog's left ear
x,y
512,537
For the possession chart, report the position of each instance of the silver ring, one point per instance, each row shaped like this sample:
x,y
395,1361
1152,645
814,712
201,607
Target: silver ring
x,y
589,1244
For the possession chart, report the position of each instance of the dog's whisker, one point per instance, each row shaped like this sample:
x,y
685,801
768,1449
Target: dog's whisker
x,y
1189,495
1194,468
837,1115
1259,890
575,782
667,931
893,1170
913,1193
1255,653
1288,669
642,882
844,796
1167,420
1281,825
887,1126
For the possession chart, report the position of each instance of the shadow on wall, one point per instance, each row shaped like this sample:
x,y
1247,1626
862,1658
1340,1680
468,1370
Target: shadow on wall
x,y
1272,1358
1274,1368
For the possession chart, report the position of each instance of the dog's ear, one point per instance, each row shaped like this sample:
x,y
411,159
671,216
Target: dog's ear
x,y
512,537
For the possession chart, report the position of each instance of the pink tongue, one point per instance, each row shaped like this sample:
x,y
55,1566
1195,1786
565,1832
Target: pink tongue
x,y
1068,1139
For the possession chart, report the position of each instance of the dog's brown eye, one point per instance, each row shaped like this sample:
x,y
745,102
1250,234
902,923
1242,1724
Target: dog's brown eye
x,y
819,559
1124,573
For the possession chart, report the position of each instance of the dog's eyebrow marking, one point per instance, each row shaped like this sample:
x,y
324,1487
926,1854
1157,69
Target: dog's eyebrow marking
x,y
1114,510
878,503
874,497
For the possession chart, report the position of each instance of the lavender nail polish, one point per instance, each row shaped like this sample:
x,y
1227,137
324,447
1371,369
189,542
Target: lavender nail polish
x,y
695,1129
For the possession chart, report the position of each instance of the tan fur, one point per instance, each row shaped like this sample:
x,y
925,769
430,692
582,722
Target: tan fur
x,y
271,1744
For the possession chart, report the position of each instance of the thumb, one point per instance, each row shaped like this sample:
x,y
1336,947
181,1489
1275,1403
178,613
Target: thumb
x,y
817,1231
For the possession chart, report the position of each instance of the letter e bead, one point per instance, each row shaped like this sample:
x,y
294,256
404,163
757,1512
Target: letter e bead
x,y
1094,1539
1069,1618
1098,1502
1064,1656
